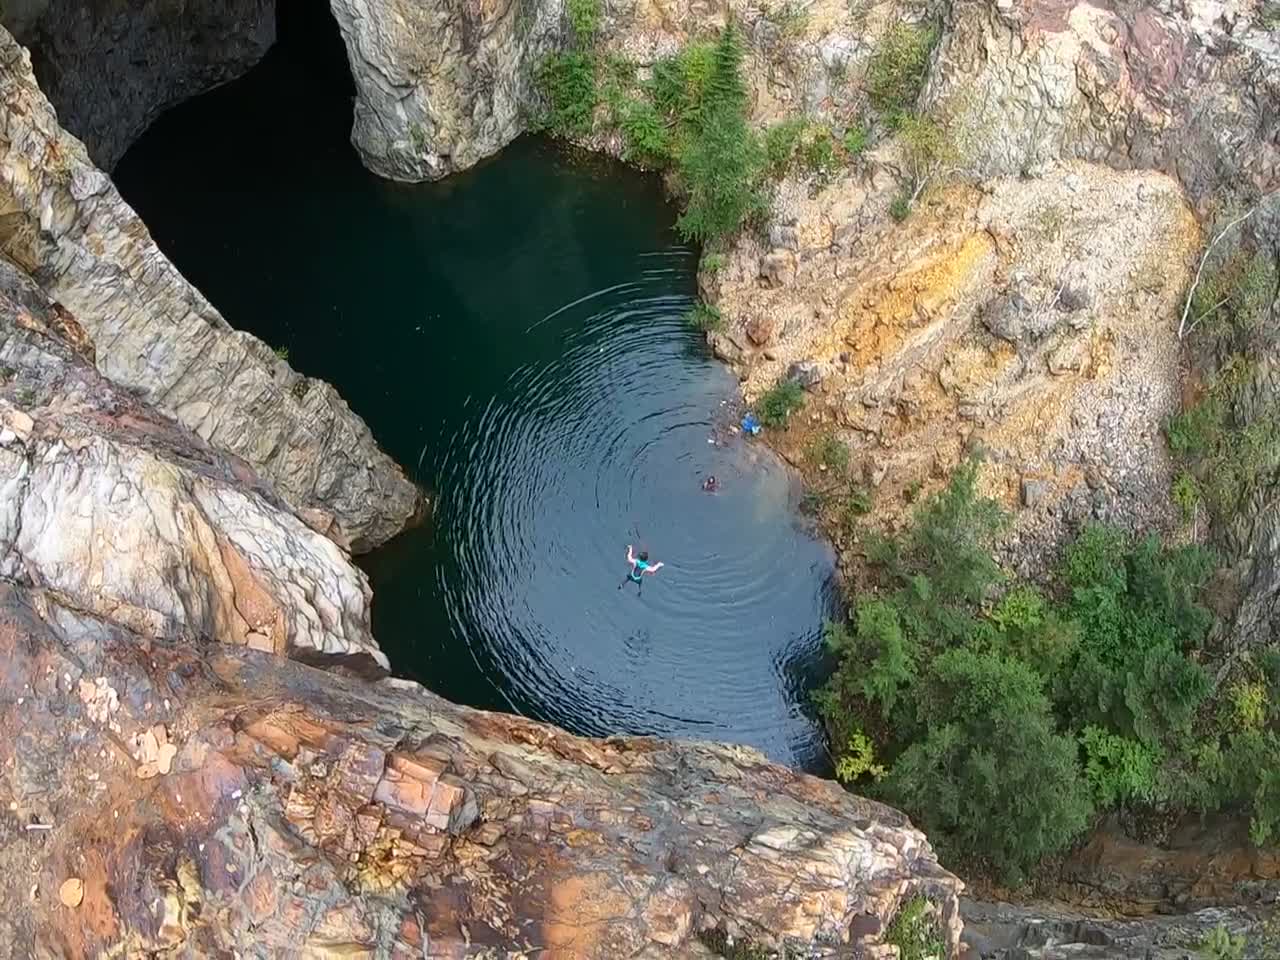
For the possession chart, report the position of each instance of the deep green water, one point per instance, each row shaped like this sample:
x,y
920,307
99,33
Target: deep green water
x,y
513,337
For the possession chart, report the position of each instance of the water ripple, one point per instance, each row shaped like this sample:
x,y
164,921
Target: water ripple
x,y
607,445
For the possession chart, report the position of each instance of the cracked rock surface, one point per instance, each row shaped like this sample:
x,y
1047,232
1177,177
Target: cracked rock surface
x,y
312,814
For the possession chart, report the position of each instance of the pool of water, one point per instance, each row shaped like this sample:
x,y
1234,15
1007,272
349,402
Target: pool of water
x,y
513,337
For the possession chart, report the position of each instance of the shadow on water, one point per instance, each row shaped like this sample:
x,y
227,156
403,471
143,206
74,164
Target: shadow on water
x,y
513,336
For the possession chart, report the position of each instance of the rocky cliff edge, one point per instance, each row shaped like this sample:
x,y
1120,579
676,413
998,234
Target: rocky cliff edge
x,y
62,220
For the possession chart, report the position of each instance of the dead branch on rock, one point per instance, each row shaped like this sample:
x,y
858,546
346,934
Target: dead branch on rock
x,y
1183,329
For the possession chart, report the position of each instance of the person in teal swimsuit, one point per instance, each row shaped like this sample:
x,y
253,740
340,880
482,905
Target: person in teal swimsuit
x,y
640,567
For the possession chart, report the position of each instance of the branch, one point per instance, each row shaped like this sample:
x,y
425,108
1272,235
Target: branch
x,y
1186,307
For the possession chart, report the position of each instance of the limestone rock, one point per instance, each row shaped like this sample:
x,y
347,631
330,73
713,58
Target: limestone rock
x,y
440,84
807,373
761,328
71,893
307,809
127,515
778,268
1034,491
1041,311
157,335
1175,87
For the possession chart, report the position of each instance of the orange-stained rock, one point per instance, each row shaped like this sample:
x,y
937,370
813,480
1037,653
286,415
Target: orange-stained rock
x,y
404,793
302,813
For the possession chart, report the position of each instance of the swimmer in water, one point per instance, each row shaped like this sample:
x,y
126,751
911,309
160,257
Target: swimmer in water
x,y
640,567
711,484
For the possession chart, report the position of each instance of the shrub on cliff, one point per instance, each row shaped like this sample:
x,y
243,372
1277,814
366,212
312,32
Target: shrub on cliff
x,y
779,402
584,18
567,82
1228,439
896,71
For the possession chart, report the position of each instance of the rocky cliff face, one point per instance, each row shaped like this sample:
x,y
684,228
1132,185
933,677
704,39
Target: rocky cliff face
x,y
444,85
172,500
440,85
62,220
118,512
1188,88
1027,318
165,796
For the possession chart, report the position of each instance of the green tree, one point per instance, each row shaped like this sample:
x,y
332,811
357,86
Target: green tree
x,y
719,159
990,779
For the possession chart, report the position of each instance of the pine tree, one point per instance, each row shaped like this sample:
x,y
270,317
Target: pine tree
x,y
726,89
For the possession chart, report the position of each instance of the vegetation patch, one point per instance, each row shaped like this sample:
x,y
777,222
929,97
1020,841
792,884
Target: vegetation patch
x,y
568,84
779,402
703,316
584,18
1004,717
830,453
897,69
1227,444
916,931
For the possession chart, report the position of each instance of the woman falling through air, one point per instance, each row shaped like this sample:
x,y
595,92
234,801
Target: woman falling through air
x,y
640,567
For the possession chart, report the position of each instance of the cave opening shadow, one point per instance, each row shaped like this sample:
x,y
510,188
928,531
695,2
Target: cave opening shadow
x,y
307,34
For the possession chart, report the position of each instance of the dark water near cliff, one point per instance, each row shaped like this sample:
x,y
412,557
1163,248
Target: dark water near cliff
x,y
513,336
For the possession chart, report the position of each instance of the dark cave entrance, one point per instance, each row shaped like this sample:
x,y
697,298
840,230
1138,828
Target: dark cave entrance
x,y
307,34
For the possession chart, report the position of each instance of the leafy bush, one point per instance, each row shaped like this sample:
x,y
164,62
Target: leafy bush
x,y
679,82
900,208
897,69
719,160
1220,944
567,82
857,503
916,931
818,151
703,316
584,18
713,263
781,140
1119,769
855,140
644,132
779,402
858,760
1003,719
1186,494
926,145
718,171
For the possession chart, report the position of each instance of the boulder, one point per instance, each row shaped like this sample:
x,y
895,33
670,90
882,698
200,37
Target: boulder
x,y
778,268
807,373
761,328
